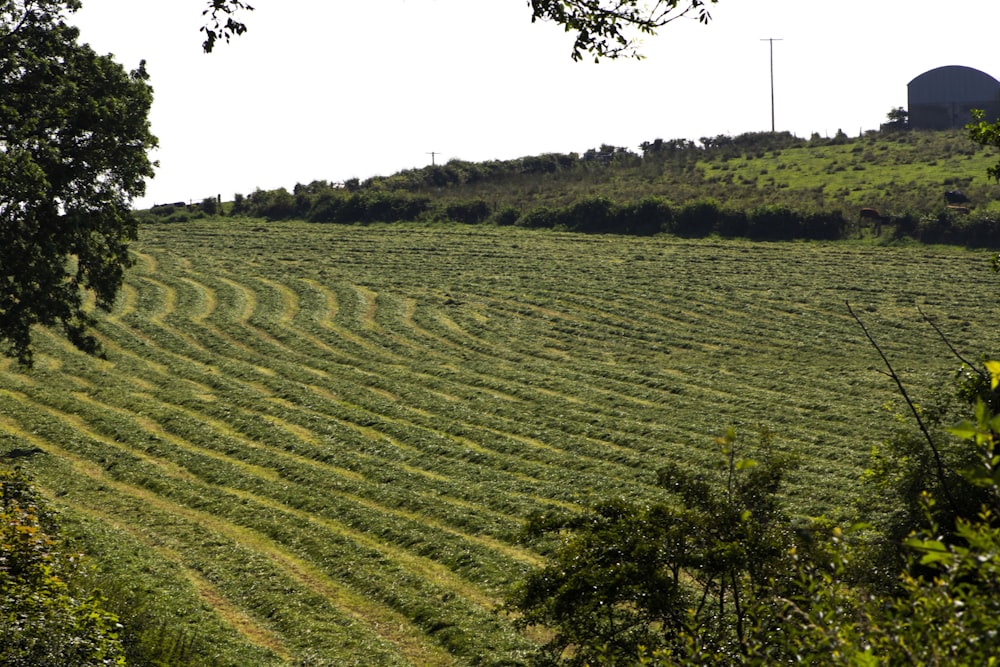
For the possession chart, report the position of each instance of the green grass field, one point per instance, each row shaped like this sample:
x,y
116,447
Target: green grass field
x,y
315,444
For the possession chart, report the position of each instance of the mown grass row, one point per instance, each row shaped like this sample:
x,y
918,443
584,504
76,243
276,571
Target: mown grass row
x,y
332,435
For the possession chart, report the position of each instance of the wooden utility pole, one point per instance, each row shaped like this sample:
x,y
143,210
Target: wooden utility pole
x,y
432,154
772,40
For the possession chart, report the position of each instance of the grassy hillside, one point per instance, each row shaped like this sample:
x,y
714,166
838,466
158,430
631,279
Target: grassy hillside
x,y
898,173
316,444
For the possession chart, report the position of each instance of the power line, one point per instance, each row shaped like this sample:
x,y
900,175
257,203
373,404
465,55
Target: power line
x,y
772,40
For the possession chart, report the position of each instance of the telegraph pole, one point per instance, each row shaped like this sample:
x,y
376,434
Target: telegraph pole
x,y
772,40
432,154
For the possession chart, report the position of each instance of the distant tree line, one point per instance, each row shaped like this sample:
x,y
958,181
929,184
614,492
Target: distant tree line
x,y
323,203
506,193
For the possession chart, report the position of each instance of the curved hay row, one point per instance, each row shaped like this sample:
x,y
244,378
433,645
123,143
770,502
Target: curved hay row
x,y
322,346
206,301
341,596
234,616
460,503
413,394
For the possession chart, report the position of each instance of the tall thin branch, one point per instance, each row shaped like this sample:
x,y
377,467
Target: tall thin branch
x,y
952,347
938,462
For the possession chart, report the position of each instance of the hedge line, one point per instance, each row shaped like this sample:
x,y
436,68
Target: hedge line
x,y
651,215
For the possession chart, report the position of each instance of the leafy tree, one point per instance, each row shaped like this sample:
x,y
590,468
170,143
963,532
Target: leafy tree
x,y
897,119
210,205
612,587
74,137
630,576
601,26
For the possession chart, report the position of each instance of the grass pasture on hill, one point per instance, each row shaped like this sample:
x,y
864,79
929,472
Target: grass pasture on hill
x,y
315,444
898,173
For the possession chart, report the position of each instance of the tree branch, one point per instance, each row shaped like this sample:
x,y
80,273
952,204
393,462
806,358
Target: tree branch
x,y
938,463
951,347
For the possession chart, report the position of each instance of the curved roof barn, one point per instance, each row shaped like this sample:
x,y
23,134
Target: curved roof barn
x,y
942,98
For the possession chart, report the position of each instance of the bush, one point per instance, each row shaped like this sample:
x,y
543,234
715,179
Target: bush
x,y
773,223
823,225
506,216
210,206
166,210
596,214
470,213
384,206
724,577
933,228
46,616
697,218
648,216
539,218
271,204
326,207
629,577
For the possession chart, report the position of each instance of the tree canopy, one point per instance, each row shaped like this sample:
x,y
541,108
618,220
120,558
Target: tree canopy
x,y
603,27
74,142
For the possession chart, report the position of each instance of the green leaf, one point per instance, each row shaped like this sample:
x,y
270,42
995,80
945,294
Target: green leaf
x,y
934,551
994,369
966,430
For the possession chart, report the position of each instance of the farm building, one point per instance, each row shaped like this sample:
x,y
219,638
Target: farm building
x,y
942,98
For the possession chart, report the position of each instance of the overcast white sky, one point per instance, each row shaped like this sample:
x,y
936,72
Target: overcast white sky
x,y
335,89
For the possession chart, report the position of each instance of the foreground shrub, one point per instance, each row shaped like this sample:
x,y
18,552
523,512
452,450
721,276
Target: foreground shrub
x,y
630,577
45,618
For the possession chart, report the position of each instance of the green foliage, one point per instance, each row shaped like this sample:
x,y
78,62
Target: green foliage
x,y
46,617
898,119
271,204
632,576
589,215
650,215
74,137
612,587
469,213
321,202
507,215
210,206
946,609
773,222
913,465
696,219
985,134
